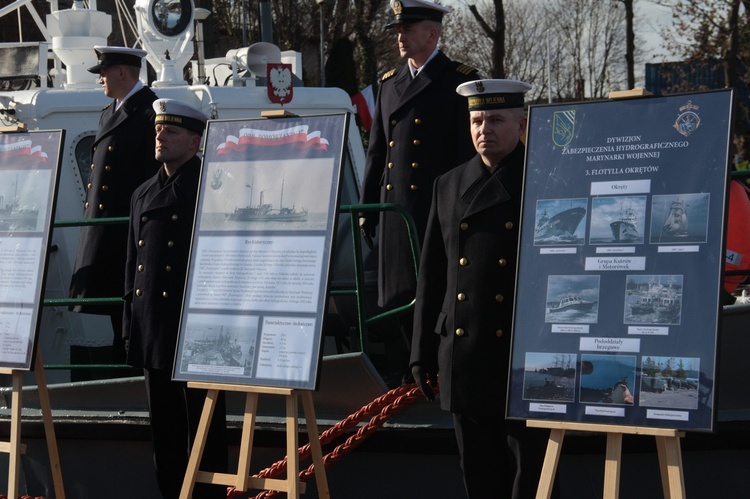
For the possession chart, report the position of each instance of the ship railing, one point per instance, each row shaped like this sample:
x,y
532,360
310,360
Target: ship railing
x,y
66,302
365,322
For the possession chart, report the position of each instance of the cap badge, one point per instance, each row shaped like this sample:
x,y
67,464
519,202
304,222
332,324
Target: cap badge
x,y
397,7
163,106
480,86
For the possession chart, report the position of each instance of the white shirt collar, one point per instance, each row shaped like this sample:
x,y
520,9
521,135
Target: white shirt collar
x,y
415,71
138,85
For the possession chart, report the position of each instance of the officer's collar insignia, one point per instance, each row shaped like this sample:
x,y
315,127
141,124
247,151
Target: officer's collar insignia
x,y
480,86
397,7
163,107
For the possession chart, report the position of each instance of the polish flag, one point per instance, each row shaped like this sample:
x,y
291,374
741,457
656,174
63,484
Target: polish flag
x,y
365,103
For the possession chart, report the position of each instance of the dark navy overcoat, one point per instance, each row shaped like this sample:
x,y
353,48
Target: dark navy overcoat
x,y
158,248
122,158
462,324
420,130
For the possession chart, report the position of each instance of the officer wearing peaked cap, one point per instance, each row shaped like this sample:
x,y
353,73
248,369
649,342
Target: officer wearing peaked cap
x,y
160,230
420,129
465,295
121,159
114,56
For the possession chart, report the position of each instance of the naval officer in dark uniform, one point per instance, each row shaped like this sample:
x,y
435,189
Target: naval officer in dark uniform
x,y
420,129
121,159
161,224
465,294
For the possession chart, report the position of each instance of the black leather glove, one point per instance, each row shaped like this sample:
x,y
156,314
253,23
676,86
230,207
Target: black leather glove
x,y
367,229
421,376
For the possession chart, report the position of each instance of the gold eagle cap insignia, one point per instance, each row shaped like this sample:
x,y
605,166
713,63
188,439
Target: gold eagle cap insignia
x,y
397,7
480,86
162,106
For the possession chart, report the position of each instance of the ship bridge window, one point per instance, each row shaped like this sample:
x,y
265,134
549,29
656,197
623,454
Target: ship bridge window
x,y
82,150
171,17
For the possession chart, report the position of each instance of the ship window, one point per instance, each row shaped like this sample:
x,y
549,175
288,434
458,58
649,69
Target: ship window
x,y
83,156
171,17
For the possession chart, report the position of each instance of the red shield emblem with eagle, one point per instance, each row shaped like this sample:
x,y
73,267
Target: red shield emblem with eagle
x,y
279,83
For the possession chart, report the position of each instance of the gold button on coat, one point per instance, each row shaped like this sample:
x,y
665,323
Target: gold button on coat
x,y
89,185
389,187
502,262
144,219
101,207
175,217
417,142
499,298
463,261
417,121
165,294
105,187
393,122
107,168
110,148
141,243
415,165
140,268
86,204
92,166
168,268
390,165
170,244
461,297
508,225
138,292
413,187
392,143
499,333
464,226
459,332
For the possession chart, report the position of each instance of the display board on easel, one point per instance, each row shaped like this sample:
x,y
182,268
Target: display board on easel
x,y
29,172
262,242
29,164
622,252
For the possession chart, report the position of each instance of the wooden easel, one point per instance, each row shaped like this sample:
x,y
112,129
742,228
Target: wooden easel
x,y
14,447
242,481
667,447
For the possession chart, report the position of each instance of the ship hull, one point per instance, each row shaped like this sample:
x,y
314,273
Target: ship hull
x,y
623,231
563,224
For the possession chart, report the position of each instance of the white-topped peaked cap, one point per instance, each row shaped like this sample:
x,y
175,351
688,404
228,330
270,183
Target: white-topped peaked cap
x,y
113,56
174,112
411,11
494,94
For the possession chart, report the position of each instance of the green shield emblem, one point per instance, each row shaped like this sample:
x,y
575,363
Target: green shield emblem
x,y
562,127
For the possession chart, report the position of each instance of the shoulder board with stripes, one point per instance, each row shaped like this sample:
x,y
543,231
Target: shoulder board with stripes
x,y
465,69
388,75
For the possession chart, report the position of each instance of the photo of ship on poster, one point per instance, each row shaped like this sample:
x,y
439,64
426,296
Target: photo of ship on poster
x,y
266,195
549,376
679,218
572,299
19,202
560,221
265,212
653,299
618,220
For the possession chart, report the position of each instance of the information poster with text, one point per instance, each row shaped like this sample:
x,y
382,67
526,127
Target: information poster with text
x,y
260,259
621,257
29,165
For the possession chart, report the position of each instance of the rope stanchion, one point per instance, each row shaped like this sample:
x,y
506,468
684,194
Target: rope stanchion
x,y
379,410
